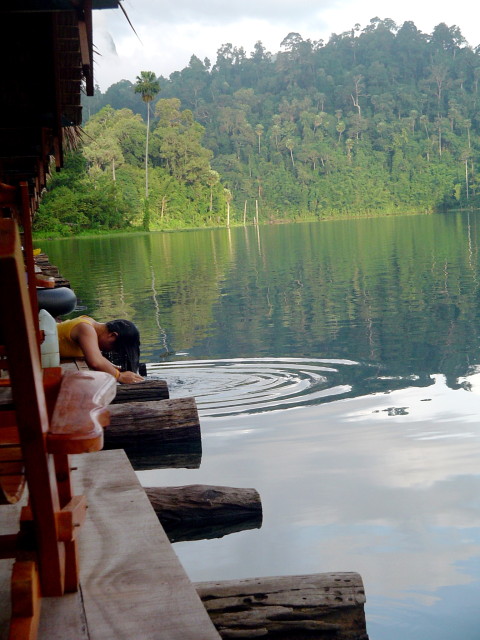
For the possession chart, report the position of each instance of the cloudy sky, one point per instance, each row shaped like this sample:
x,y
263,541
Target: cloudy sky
x,y
169,32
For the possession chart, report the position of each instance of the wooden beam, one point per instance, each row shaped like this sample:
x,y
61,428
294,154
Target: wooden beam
x,y
29,399
84,46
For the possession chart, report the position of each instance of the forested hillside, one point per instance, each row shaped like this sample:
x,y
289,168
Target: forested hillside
x,y
382,119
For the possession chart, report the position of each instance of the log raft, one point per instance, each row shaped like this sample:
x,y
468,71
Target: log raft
x,y
145,391
156,433
166,420
198,512
322,606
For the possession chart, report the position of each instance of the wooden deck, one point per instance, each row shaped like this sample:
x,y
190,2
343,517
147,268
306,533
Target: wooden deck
x,y
132,583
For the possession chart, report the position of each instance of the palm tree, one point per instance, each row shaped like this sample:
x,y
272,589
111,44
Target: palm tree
x,y
148,86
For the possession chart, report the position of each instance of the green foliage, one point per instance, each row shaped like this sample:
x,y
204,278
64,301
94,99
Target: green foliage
x,y
102,186
147,85
375,120
382,119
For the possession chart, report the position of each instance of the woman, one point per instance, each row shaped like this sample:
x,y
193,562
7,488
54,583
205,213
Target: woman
x,y
85,337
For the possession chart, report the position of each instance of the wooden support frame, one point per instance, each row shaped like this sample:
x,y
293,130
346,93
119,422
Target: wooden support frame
x,y
53,415
31,409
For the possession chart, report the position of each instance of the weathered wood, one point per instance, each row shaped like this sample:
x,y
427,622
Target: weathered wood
x,y
323,605
49,270
144,428
196,512
18,330
133,585
142,391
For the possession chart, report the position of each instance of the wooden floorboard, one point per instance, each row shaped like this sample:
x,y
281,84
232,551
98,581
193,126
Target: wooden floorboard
x,y
132,583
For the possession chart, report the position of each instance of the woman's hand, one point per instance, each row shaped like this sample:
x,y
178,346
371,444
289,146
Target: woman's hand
x,y
128,377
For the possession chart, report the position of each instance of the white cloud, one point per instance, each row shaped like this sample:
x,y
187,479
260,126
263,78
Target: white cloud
x,y
169,33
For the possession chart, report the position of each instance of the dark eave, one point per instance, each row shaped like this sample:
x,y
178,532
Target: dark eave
x,y
46,50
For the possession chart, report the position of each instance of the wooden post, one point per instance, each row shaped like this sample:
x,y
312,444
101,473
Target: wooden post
x,y
245,214
26,221
322,606
197,512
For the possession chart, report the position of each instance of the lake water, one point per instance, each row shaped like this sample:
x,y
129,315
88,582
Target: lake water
x,y
336,368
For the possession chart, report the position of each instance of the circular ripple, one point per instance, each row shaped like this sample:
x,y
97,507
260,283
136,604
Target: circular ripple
x,y
227,387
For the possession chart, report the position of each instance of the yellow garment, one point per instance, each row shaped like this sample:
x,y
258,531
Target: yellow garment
x,y
68,347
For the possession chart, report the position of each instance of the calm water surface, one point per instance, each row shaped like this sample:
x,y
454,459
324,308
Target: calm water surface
x,y
336,367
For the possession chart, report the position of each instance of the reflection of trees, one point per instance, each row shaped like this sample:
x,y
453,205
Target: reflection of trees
x,y
398,291
165,283
402,292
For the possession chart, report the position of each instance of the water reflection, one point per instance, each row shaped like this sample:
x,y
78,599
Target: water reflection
x,y
336,367
238,386
257,385
349,486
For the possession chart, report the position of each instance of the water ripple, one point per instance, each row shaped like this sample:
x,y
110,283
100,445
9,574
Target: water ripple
x,y
255,385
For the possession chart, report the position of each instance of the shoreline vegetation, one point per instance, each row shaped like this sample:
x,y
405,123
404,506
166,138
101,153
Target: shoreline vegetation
x,y
133,231
317,131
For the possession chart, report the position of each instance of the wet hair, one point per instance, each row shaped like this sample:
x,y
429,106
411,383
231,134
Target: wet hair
x,y
126,352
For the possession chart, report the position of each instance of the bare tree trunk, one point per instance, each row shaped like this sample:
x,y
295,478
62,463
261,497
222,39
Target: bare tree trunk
x,y
146,151
466,177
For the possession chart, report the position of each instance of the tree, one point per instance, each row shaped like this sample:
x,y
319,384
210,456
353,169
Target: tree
x,y
213,178
147,86
289,143
259,132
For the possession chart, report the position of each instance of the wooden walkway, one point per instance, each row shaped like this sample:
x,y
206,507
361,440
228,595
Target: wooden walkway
x,y
132,583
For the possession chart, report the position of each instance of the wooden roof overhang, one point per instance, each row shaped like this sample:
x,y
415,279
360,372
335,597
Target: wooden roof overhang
x,y
46,48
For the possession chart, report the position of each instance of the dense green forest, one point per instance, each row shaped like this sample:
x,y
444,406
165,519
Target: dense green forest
x,y
378,120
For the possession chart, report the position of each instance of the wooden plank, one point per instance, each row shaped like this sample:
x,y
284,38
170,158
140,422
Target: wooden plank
x,y
132,582
62,618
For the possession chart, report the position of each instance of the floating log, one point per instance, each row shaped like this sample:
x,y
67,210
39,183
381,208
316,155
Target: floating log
x,y
197,512
174,420
322,605
142,391
150,430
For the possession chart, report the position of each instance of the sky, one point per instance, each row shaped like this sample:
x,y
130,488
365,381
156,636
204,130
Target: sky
x,y
169,33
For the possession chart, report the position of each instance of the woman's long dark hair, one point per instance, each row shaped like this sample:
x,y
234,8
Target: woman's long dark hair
x,y
126,352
